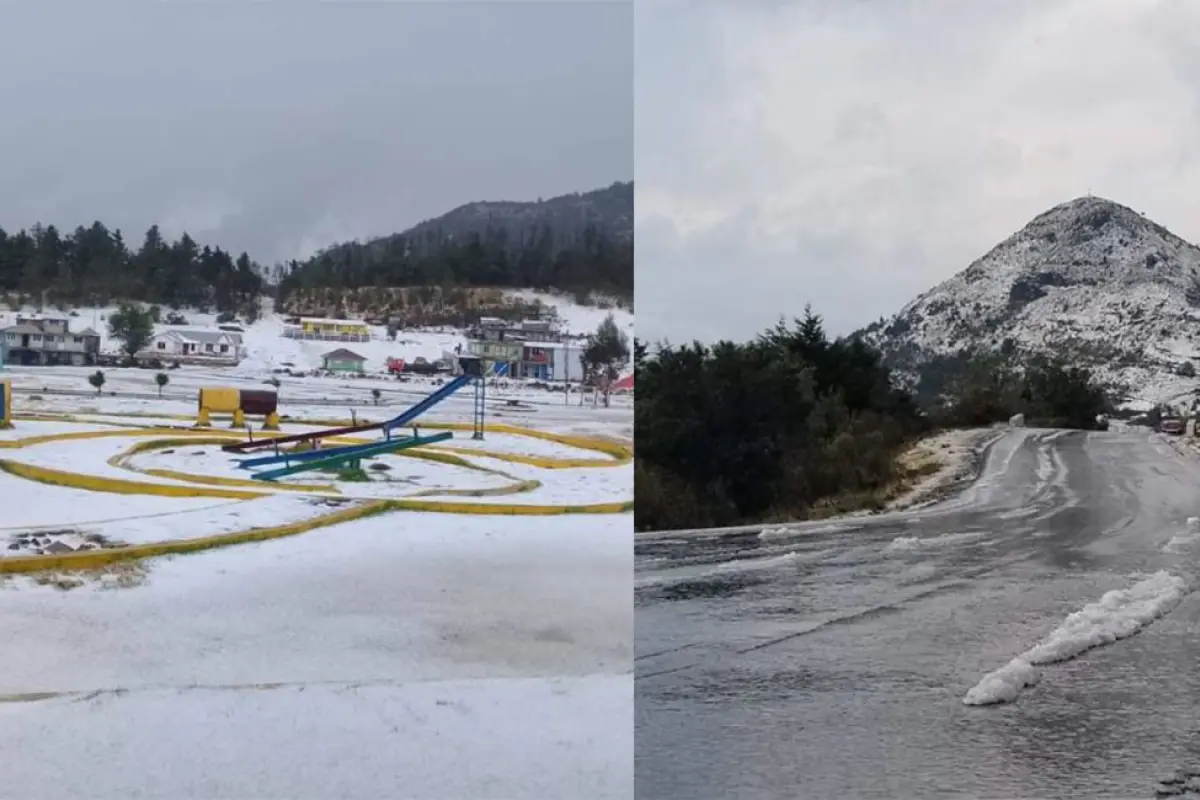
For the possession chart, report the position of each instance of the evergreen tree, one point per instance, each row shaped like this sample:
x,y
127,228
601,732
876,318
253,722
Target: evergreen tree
x,y
94,265
133,327
606,352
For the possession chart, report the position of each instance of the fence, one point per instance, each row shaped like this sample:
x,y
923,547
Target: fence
x,y
298,333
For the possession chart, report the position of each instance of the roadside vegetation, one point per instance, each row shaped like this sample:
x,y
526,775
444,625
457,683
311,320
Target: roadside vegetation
x,y
796,425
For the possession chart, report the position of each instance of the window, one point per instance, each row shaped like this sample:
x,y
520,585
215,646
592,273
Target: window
x,y
208,348
224,348
78,340
161,346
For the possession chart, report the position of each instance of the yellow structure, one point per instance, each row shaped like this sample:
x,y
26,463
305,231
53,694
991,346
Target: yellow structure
x,y
6,412
329,327
237,403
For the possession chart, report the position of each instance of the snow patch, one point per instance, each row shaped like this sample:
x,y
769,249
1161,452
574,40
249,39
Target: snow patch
x,y
906,543
725,568
1117,615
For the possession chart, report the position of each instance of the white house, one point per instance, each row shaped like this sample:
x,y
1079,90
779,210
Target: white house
x,y
551,361
195,346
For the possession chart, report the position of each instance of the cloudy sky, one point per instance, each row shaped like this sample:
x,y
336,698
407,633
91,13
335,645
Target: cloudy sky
x,y
855,154
279,128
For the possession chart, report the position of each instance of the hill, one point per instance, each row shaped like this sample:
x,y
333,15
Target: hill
x,y
1090,281
580,243
608,211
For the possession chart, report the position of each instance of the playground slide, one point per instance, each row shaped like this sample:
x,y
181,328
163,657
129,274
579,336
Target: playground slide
x,y
403,419
351,455
428,403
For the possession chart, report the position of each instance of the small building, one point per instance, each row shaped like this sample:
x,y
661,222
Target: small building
x,y
494,329
222,348
330,330
501,357
44,341
551,361
343,360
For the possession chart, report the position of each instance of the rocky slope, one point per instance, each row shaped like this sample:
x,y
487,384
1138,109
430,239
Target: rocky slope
x,y
1089,280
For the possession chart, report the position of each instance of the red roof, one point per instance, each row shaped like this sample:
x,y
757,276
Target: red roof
x,y
624,383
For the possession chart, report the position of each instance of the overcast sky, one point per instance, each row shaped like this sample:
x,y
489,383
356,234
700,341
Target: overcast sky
x,y
855,154
278,128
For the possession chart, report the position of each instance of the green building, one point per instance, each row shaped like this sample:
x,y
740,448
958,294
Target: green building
x,y
342,360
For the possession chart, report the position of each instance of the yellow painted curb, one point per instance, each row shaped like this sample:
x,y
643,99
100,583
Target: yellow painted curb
x,y
182,437
91,559
29,441
95,483
617,451
542,462
620,452
123,460
515,488
505,509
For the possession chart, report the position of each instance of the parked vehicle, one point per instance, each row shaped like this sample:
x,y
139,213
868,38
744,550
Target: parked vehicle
x,y
1172,426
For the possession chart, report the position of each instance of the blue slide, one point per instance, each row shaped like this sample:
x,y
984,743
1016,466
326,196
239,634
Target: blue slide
x,y
426,404
396,422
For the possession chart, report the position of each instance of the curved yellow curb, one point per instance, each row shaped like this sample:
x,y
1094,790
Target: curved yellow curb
x,y
505,509
46,438
124,460
91,559
542,462
619,451
224,488
96,483
514,488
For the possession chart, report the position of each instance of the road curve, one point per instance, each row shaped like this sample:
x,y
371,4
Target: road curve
x,y
832,659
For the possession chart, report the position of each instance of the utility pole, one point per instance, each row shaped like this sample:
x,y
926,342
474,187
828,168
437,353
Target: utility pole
x,y
567,369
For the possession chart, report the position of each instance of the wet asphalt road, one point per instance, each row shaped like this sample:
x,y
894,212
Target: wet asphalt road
x,y
831,661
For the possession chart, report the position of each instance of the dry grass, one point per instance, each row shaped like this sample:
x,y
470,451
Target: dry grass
x,y
119,575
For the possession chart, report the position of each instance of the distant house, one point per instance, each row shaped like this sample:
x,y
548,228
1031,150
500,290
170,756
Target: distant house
x,y
331,330
223,348
494,329
44,341
500,357
342,360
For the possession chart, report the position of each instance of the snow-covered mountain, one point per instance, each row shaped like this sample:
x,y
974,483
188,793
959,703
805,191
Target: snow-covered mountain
x,y
1090,280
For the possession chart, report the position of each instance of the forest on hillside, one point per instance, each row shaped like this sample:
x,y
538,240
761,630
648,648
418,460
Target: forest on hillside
x,y
536,258
796,425
95,266
580,243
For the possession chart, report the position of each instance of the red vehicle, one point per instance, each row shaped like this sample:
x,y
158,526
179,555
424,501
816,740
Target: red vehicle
x,y
395,365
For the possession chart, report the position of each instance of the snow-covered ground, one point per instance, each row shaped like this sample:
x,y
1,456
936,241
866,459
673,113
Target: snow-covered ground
x,y
392,476
134,390
267,349
423,655
948,458
214,517
407,654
